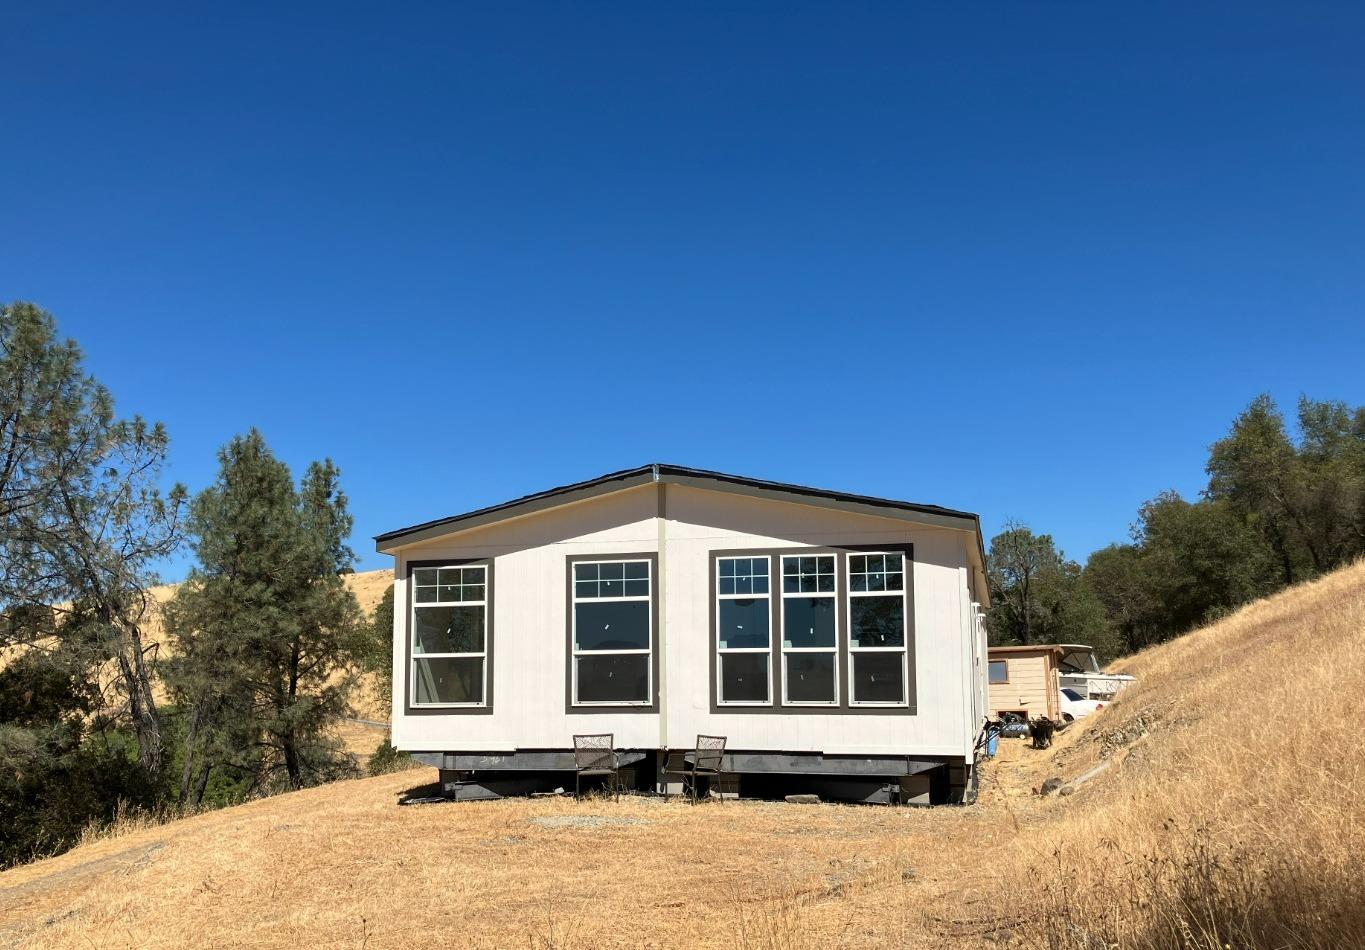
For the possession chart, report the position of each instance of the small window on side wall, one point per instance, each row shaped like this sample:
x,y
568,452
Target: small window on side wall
x,y
1000,671
449,625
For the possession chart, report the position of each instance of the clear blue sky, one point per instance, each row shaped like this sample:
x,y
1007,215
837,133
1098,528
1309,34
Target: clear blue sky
x,y
1023,259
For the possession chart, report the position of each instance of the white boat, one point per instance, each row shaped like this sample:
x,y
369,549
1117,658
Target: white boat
x,y
1078,669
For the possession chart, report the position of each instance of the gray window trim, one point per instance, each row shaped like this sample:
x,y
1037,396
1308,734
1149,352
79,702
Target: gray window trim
x,y
775,620
487,708
600,708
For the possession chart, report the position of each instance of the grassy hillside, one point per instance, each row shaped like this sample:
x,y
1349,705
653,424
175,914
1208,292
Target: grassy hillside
x,y
369,588
1233,814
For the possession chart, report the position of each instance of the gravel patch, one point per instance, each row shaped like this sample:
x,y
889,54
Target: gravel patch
x,y
587,821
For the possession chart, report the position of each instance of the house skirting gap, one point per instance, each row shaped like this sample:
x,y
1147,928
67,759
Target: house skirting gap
x,y
909,780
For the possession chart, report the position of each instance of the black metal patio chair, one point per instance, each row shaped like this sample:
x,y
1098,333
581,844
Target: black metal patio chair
x,y
703,762
595,755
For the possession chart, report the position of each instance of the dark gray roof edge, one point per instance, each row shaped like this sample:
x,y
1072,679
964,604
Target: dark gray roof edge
x,y
628,478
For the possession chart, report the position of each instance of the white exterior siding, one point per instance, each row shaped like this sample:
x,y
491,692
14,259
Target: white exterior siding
x,y
530,614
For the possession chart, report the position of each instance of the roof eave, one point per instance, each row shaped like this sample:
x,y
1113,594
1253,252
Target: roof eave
x,y
390,541
931,515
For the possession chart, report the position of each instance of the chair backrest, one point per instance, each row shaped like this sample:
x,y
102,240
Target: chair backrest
x,y
594,751
710,750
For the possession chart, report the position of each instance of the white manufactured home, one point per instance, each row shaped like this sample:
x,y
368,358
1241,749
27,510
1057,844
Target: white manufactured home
x,y
835,640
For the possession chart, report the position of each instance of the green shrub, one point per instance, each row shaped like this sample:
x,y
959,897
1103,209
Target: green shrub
x,y
386,759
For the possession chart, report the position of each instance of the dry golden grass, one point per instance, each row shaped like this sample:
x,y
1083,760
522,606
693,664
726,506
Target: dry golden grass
x,y
1237,821
360,739
1240,820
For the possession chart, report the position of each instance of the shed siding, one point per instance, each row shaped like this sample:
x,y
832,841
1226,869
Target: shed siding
x,y
530,617
1030,687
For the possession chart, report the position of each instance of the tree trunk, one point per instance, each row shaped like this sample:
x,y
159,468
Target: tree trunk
x,y
289,739
141,703
201,784
1277,542
291,759
187,773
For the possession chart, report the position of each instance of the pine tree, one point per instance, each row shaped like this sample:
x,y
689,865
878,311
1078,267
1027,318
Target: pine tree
x,y
378,651
265,630
81,516
317,673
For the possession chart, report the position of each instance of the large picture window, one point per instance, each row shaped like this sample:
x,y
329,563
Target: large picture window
x,y
743,632
449,626
876,629
612,634
810,631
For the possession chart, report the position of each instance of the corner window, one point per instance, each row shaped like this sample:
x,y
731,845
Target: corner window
x,y
449,627
743,632
612,634
876,629
810,636
1000,671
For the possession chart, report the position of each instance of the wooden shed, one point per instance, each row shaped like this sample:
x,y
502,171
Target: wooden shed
x,y
1023,680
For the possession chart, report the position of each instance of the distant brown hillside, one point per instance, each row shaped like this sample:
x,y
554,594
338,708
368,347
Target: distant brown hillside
x,y
369,588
